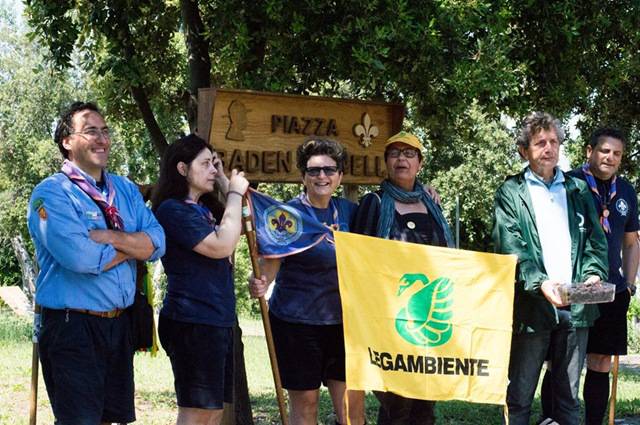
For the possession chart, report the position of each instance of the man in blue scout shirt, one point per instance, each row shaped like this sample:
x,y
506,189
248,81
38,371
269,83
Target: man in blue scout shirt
x,y
617,205
88,227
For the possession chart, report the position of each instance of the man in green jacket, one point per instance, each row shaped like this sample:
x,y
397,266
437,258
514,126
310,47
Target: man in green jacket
x,y
548,220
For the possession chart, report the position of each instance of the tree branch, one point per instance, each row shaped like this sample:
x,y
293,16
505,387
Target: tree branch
x,y
157,137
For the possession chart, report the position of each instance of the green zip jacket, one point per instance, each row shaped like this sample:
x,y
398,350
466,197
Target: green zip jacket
x,y
515,232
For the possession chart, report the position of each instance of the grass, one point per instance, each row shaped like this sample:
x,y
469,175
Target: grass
x,y
155,400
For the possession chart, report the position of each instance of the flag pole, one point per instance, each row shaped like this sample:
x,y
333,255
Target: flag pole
x,y
457,222
35,362
614,390
250,233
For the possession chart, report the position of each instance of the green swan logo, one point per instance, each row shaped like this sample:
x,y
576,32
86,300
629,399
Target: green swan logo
x,y
425,320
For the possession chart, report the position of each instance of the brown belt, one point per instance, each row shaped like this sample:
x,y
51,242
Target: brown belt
x,y
104,314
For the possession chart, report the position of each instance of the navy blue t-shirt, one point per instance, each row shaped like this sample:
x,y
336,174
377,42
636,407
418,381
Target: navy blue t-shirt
x,y
200,289
306,289
623,217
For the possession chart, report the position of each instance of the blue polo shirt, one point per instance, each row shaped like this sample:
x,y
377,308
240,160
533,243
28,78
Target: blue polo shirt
x,y
306,289
199,288
59,217
623,218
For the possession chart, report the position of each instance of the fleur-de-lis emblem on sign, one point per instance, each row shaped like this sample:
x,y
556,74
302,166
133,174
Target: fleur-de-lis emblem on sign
x,y
281,223
365,130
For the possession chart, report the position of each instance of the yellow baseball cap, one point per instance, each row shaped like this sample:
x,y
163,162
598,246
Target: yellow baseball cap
x,y
406,138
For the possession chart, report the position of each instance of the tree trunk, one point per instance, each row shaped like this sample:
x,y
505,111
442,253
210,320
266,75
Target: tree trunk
x,y
250,64
157,137
28,266
198,54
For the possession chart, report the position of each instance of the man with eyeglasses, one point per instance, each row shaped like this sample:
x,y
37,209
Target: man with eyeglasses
x,y
547,218
88,227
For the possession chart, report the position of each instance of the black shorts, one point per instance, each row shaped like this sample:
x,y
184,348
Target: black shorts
x,y
308,355
87,365
609,332
202,362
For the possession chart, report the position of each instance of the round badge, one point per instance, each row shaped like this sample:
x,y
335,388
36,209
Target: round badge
x,y
411,225
605,213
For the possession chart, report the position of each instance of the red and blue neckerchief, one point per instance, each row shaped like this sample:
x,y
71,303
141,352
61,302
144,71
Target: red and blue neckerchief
x,y
106,204
604,200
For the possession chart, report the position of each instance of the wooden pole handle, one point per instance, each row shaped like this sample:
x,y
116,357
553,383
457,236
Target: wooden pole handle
x,y
250,233
614,390
35,363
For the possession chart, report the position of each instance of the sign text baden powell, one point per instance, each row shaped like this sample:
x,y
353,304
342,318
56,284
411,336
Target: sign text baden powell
x,y
260,132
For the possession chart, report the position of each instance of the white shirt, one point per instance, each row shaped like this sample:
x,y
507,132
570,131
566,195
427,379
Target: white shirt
x,y
552,221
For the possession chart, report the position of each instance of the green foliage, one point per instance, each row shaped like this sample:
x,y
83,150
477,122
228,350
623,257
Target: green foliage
x,y
634,308
13,328
31,94
481,155
633,325
245,305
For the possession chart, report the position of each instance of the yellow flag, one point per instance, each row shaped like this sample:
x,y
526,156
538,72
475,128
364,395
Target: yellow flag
x,y
425,322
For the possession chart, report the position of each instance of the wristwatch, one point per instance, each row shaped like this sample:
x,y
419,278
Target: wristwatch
x,y
632,288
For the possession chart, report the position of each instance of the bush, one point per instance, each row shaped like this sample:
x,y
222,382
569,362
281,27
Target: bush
x,y
633,326
245,305
14,328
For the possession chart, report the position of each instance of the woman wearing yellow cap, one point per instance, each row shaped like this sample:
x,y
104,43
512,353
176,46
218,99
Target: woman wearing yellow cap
x,y
403,210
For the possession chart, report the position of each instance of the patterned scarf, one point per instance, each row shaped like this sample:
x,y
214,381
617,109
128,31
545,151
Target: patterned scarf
x,y
604,201
392,193
112,216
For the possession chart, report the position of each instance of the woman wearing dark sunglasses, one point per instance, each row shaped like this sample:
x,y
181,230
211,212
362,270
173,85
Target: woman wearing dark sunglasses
x,y
403,209
304,309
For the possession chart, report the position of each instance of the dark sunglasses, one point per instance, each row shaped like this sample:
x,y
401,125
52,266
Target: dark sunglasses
x,y
315,171
406,152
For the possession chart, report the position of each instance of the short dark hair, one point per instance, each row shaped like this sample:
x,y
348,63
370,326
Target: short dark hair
x,y
172,184
65,124
320,146
534,123
606,132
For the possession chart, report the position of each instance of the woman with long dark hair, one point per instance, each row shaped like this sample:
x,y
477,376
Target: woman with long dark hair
x,y
198,311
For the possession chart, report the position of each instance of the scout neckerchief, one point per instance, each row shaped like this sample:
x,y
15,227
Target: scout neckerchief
x,y
304,198
111,214
204,211
604,200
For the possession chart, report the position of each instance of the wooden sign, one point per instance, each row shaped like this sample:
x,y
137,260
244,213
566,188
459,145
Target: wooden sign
x,y
259,132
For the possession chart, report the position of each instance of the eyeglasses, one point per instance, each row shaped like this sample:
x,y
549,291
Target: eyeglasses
x,y
315,171
94,133
406,152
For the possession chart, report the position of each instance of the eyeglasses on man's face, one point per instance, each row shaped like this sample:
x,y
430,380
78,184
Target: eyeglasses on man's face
x,y
93,133
406,152
315,171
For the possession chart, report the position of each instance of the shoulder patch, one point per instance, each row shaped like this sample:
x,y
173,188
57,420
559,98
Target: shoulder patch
x,y
37,203
38,206
622,207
